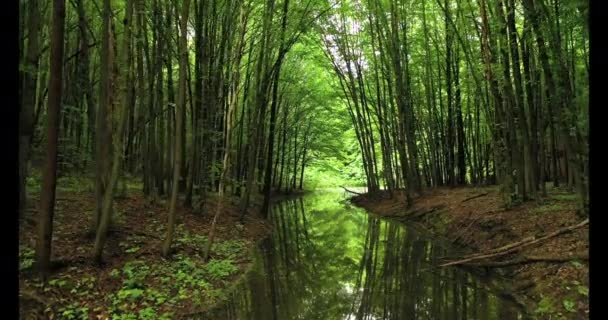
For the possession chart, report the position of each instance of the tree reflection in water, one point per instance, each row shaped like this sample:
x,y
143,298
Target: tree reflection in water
x,y
329,260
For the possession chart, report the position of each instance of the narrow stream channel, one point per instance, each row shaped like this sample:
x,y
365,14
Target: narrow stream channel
x,y
327,259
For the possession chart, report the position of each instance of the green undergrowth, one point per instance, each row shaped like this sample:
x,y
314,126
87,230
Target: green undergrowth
x,y
556,201
547,208
574,295
145,287
78,182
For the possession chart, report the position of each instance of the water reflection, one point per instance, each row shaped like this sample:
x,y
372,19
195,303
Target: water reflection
x,y
330,260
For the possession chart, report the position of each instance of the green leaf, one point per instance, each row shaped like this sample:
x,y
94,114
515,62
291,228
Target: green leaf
x,y
545,306
569,305
583,290
132,250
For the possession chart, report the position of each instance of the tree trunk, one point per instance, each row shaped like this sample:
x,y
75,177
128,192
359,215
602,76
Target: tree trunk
x,y
47,193
181,104
124,82
28,95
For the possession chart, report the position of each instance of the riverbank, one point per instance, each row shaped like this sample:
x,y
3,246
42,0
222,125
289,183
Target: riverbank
x,y
474,219
135,282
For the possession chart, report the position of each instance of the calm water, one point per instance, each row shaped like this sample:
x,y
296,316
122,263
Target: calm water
x,y
327,259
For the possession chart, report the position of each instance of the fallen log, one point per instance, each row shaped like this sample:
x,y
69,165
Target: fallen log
x,y
515,246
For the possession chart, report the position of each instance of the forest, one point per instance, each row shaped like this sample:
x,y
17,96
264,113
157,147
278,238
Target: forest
x,y
161,142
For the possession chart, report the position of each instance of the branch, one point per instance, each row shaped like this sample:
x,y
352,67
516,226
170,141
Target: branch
x,y
515,246
475,197
531,259
357,193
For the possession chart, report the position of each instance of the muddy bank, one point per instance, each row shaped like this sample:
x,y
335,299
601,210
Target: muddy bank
x,y
135,282
475,219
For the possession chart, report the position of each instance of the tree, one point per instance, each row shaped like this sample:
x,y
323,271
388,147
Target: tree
x,y
118,152
28,98
181,105
47,192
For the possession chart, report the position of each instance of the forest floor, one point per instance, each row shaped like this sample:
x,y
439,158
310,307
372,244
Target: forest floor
x,y
134,282
474,219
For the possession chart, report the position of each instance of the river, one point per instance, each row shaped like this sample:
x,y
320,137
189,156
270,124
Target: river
x,y
327,259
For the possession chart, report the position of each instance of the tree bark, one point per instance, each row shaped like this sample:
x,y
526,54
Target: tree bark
x,y
181,104
28,95
47,193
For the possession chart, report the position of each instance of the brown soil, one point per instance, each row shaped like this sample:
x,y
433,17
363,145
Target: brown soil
x,y
481,223
139,224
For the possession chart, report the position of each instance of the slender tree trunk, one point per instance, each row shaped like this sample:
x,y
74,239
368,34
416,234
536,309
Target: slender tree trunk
x,y
124,82
47,192
28,95
181,104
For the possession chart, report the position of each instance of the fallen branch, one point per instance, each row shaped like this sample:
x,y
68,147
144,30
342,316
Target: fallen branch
x,y
530,259
357,193
515,246
475,197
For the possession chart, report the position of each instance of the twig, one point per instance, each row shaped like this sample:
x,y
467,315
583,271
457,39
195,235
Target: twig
x,y
475,197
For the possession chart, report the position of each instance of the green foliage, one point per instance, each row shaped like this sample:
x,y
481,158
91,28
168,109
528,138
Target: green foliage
x,y
26,257
34,180
545,306
187,238
130,294
155,297
583,290
181,279
218,269
147,313
73,183
125,316
547,208
229,248
135,273
565,197
59,282
569,305
74,312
